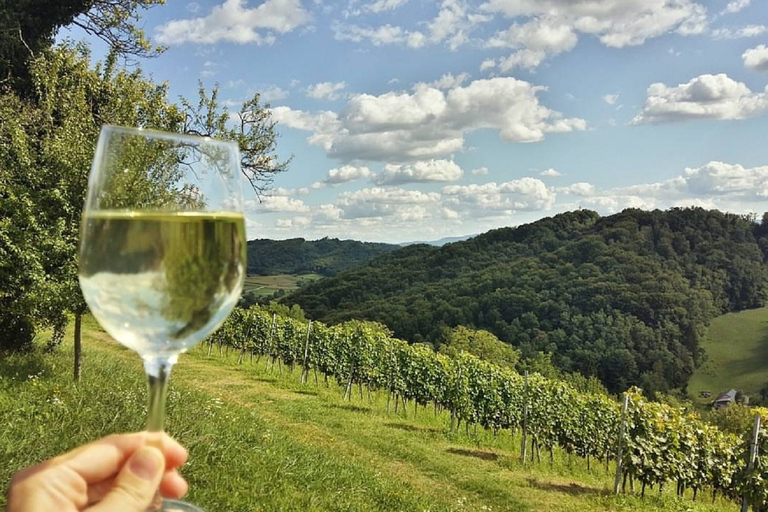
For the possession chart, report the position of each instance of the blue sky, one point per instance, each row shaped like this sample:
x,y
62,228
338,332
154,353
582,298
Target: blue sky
x,y
416,120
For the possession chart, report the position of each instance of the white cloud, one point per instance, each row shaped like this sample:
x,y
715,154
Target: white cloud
x,y
429,123
346,174
282,191
327,213
480,171
384,5
578,189
743,32
735,6
525,194
324,124
383,35
703,97
272,93
419,172
452,25
535,40
487,64
386,202
299,222
611,99
552,26
276,203
727,187
550,173
209,69
449,214
732,180
233,21
756,59
448,81
326,90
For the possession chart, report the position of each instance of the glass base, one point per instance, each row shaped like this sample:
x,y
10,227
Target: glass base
x,y
179,506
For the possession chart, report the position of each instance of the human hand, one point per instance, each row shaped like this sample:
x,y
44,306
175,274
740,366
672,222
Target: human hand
x,y
119,473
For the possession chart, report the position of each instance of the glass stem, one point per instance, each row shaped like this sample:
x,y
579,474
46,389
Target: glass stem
x,y
158,372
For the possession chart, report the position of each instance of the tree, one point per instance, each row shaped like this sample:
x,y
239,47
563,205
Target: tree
x,y
28,27
254,132
52,138
482,344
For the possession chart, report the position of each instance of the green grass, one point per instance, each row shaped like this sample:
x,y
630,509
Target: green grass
x,y
260,440
737,350
268,285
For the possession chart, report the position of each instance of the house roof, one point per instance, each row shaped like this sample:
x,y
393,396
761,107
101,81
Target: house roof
x,y
726,396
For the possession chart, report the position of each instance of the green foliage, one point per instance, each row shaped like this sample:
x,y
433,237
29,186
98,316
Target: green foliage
x,y
327,256
482,344
294,311
47,148
660,443
624,298
29,27
253,131
736,418
263,441
46,157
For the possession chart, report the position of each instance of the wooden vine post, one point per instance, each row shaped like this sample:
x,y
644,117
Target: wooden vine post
x,y
270,358
620,445
524,444
305,373
751,457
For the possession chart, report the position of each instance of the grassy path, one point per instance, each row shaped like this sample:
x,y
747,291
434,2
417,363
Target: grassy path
x,y
261,441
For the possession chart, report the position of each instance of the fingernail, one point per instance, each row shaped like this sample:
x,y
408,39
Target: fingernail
x,y
145,462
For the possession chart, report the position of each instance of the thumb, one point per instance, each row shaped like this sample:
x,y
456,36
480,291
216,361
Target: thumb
x,y
137,483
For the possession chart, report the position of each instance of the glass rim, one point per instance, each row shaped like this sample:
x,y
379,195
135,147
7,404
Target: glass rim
x,y
161,134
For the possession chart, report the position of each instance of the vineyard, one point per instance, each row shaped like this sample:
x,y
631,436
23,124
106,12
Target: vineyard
x,y
659,444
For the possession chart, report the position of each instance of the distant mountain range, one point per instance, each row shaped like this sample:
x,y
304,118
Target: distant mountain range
x,y
441,242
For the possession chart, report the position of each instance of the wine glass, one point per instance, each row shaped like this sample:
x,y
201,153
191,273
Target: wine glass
x,y
162,248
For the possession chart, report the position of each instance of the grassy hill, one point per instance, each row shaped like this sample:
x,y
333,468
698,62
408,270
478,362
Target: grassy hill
x,y
261,441
737,349
624,298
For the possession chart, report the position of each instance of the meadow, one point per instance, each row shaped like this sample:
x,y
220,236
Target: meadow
x,y
259,440
737,350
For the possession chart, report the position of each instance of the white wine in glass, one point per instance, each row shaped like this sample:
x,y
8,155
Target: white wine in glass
x,y
162,248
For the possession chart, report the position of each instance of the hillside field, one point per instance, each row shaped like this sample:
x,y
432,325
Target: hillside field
x,y
259,440
737,350
266,286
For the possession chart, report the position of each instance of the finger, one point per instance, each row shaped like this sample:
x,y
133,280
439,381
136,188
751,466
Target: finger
x,y
102,459
136,484
172,485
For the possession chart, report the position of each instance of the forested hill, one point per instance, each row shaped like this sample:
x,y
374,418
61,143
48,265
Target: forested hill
x,y
326,257
625,297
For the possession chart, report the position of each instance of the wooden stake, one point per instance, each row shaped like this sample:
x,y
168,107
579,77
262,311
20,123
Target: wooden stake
x,y
524,443
620,444
752,456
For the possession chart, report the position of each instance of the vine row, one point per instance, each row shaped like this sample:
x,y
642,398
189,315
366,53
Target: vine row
x,y
659,444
